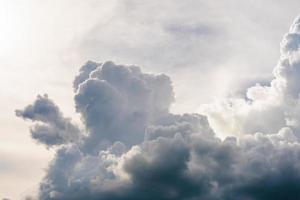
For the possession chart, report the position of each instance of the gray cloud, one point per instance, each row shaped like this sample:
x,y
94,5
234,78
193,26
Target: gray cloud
x,y
135,149
53,128
84,73
117,102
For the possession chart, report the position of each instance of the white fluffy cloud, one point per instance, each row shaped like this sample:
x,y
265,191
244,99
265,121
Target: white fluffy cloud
x,y
134,148
266,108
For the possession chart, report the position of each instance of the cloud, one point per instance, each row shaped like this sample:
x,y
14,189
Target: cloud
x,y
266,108
134,148
205,37
53,128
117,102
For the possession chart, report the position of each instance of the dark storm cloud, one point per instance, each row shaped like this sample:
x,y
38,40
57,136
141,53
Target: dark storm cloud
x,y
135,149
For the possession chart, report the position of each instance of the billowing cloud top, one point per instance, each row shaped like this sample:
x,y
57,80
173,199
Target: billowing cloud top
x,y
133,148
266,108
117,103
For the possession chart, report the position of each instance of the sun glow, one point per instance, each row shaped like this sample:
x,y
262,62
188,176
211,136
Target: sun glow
x,y
14,22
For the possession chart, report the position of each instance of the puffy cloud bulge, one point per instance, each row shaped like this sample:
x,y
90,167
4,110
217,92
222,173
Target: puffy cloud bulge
x,y
133,148
266,108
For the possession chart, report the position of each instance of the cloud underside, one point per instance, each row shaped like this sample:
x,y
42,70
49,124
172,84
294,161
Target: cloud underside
x,y
133,148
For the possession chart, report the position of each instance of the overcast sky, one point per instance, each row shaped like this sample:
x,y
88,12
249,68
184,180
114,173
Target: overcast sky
x,y
210,50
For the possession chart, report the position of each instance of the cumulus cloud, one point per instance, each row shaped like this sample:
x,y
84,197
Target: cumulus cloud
x,y
51,127
117,102
266,108
134,148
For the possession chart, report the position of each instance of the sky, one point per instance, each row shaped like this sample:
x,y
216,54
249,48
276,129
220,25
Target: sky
x,y
212,53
